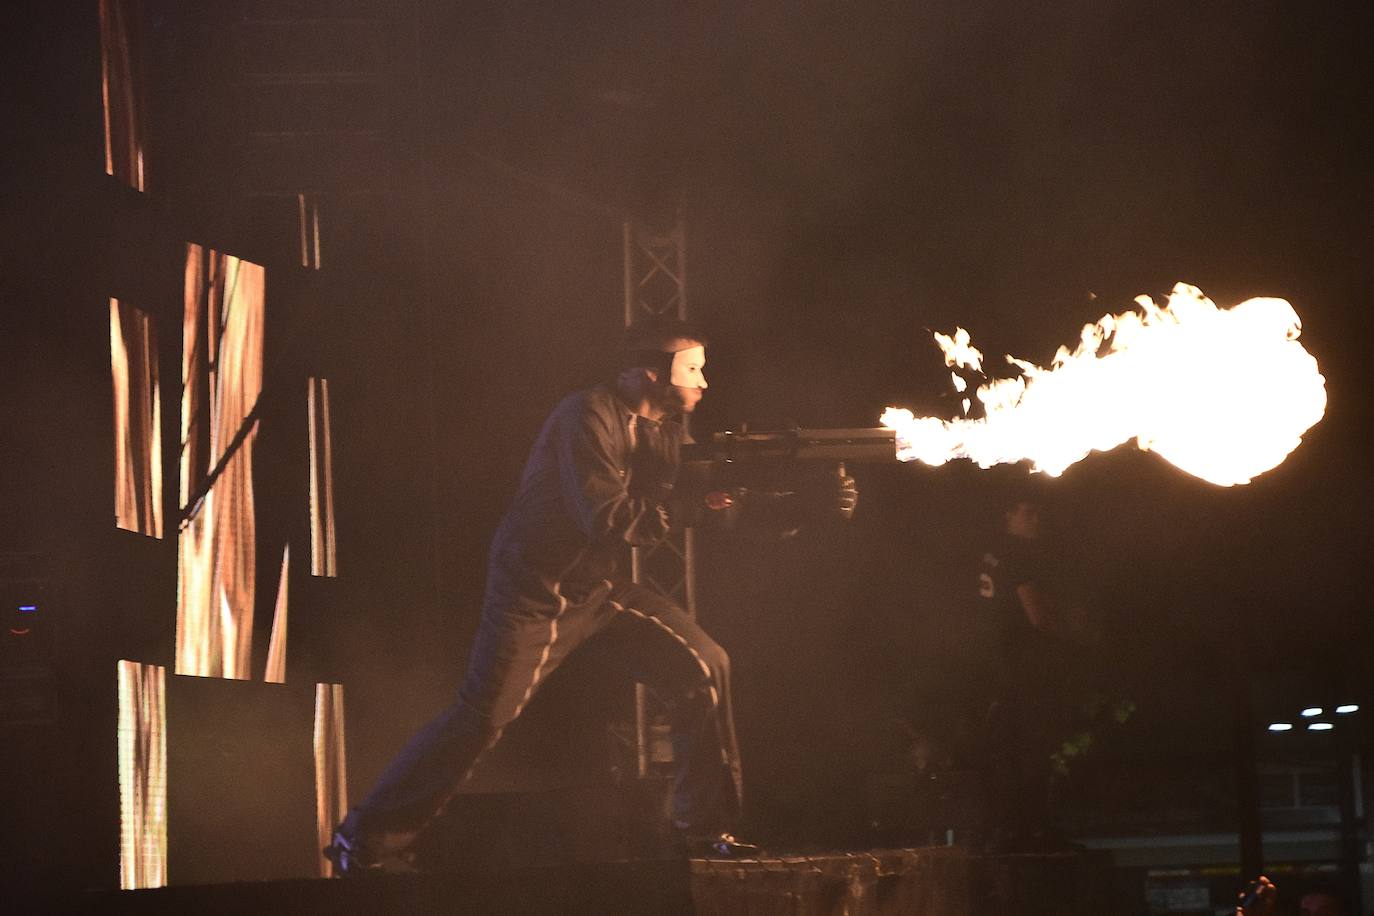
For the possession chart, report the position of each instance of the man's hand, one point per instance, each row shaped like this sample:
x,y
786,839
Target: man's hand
x,y
653,466
1259,899
833,496
847,499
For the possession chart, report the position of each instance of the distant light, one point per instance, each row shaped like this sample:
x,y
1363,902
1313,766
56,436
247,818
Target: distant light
x,y
1280,726
1320,727
27,608
1311,711
1348,708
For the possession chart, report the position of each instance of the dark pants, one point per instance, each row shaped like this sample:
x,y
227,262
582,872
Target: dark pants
x,y
1026,721
519,644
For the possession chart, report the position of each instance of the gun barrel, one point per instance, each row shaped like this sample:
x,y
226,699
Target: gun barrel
x,y
849,445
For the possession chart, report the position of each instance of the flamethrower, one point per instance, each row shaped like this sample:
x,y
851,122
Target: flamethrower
x,y
777,479
741,451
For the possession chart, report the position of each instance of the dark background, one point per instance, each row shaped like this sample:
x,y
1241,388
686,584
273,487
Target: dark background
x,y
851,178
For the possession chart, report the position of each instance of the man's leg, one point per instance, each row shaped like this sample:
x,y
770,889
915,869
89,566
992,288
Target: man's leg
x,y
664,647
519,643
1023,732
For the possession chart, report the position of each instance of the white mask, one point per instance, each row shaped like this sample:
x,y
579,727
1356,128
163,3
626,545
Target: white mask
x,y
687,368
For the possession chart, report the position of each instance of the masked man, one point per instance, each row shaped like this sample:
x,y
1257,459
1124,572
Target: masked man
x,y
601,476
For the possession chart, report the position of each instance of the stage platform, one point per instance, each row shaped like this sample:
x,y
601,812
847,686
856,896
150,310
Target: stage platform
x,y
937,881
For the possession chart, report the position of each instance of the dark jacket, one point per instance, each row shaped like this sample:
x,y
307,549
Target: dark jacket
x,y
585,494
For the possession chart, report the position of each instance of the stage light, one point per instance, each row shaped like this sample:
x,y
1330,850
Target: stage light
x,y
323,559
1280,726
137,420
1311,711
331,772
223,309
1347,709
1320,727
142,742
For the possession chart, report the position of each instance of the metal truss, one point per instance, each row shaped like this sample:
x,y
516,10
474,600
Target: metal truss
x,y
655,271
656,285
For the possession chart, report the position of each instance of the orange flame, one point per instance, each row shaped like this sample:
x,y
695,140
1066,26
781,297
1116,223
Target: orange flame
x,y
1223,394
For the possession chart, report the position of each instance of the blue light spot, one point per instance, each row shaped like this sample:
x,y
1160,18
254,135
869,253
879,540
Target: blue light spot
x,y
27,608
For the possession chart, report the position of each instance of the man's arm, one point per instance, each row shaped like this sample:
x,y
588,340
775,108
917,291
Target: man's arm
x,y
1038,606
595,484
804,496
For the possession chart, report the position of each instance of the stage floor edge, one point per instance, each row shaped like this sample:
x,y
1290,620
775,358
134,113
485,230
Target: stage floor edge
x,y
930,881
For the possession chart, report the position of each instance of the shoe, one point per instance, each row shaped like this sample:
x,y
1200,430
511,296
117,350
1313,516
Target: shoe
x,y
351,858
718,846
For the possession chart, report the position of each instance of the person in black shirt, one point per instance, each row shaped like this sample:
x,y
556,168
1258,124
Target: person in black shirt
x,y
602,476
1015,596
1021,696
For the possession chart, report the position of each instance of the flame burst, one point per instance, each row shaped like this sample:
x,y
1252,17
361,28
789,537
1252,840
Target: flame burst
x,y
1223,394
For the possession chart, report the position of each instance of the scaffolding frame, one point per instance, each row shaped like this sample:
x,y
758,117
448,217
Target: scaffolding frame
x,y
656,285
